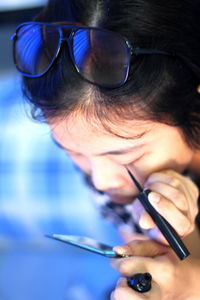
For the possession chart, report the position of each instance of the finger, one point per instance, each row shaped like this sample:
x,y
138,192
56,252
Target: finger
x,y
156,235
193,190
176,196
130,236
181,223
147,248
146,222
112,296
167,176
121,284
121,293
192,194
124,292
174,179
131,265
138,212
179,182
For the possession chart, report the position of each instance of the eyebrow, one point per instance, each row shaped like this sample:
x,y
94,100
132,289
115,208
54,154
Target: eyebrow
x,y
112,152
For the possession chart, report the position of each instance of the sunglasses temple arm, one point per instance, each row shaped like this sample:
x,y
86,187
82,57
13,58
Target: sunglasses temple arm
x,y
138,51
12,37
193,67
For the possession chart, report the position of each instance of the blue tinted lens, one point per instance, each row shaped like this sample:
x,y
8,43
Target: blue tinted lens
x,y
36,47
101,56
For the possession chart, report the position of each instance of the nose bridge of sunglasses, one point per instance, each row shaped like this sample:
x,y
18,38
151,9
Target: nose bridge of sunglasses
x,y
66,33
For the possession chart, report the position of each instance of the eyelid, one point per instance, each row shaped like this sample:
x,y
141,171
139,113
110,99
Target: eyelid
x,y
127,153
129,160
111,154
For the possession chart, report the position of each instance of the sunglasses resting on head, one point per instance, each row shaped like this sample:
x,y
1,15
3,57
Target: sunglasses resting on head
x,y
100,56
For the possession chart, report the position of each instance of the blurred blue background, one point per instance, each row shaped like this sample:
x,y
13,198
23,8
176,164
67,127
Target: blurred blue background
x,y
42,193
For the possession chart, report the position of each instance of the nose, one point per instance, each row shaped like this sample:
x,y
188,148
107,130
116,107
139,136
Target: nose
x,y
107,175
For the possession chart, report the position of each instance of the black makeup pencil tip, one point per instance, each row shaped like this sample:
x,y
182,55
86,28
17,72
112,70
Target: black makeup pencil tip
x,y
135,181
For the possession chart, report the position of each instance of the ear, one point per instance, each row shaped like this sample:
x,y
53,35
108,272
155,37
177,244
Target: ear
x,y
198,89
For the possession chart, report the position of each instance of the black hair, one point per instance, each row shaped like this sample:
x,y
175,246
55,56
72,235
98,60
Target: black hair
x,y
160,88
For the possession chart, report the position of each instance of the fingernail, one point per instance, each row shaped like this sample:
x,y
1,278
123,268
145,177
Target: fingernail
x,y
144,224
121,281
121,250
154,197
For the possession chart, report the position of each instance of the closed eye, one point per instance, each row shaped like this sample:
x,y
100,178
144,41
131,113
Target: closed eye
x,y
127,159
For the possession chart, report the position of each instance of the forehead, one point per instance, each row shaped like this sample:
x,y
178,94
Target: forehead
x,y
76,132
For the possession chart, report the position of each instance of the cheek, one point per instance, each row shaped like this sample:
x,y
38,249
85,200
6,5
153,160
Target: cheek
x,y
166,157
173,149
176,156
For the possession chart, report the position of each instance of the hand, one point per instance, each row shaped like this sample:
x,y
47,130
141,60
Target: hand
x,y
175,197
172,278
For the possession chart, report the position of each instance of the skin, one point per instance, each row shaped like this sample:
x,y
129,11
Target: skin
x,y
149,155
172,278
156,154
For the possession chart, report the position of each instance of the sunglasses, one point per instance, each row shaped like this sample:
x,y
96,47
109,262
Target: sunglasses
x,y
100,56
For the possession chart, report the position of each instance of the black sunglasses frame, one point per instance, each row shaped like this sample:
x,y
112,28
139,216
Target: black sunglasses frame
x,y
130,50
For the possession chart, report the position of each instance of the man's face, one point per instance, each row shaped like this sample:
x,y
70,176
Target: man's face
x,y
150,147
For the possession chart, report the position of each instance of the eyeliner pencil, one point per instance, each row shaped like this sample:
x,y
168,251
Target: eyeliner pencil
x,y
167,230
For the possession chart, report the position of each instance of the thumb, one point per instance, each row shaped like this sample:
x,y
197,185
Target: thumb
x,y
146,248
